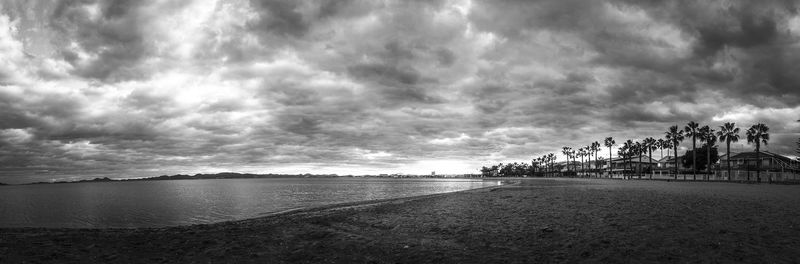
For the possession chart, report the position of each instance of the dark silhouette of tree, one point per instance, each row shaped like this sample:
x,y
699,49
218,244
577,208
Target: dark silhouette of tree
x,y
566,151
674,136
758,133
668,146
638,148
573,155
691,129
596,149
728,132
624,152
699,157
581,152
707,135
629,156
650,144
599,162
609,142
660,146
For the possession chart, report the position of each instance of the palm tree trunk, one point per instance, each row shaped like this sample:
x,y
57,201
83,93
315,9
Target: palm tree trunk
x,y
597,170
694,159
708,160
639,167
676,164
597,162
650,156
728,157
630,166
758,162
609,162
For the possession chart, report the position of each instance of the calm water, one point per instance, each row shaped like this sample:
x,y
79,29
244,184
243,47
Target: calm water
x,y
182,202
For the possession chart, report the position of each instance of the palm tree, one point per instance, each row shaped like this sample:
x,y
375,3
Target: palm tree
x,y
674,136
566,151
728,133
595,149
637,150
589,153
629,154
622,152
543,165
586,155
758,133
691,130
609,142
548,160
660,146
579,154
574,155
707,135
650,145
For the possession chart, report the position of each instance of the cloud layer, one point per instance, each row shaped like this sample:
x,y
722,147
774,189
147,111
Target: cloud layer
x,y
143,88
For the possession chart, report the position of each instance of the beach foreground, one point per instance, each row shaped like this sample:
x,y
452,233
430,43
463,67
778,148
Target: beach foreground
x,y
537,220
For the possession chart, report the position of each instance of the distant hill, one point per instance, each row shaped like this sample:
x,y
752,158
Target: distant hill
x,y
199,176
229,175
104,179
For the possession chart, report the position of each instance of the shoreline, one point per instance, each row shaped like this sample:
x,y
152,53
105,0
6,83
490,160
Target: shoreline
x,y
536,220
237,176
299,210
338,206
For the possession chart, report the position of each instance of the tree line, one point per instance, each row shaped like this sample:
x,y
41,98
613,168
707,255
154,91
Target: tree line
x,y
728,133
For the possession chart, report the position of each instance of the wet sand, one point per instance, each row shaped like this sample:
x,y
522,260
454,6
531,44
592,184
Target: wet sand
x,y
539,220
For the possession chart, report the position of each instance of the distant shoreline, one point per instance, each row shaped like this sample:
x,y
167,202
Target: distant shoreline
x,y
234,175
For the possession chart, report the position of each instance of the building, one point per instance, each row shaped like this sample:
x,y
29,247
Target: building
x,y
629,165
774,167
769,162
666,162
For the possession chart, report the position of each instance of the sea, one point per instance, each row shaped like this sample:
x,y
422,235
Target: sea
x,y
139,204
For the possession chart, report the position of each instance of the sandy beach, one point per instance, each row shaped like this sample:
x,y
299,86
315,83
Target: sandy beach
x,y
537,220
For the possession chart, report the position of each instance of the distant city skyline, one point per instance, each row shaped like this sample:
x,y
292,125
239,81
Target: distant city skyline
x,y
146,88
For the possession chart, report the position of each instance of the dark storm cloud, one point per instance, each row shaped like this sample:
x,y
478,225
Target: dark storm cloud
x,y
766,46
756,30
751,36
114,36
280,17
395,76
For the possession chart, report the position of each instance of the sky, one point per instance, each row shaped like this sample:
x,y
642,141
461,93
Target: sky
x,y
144,88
